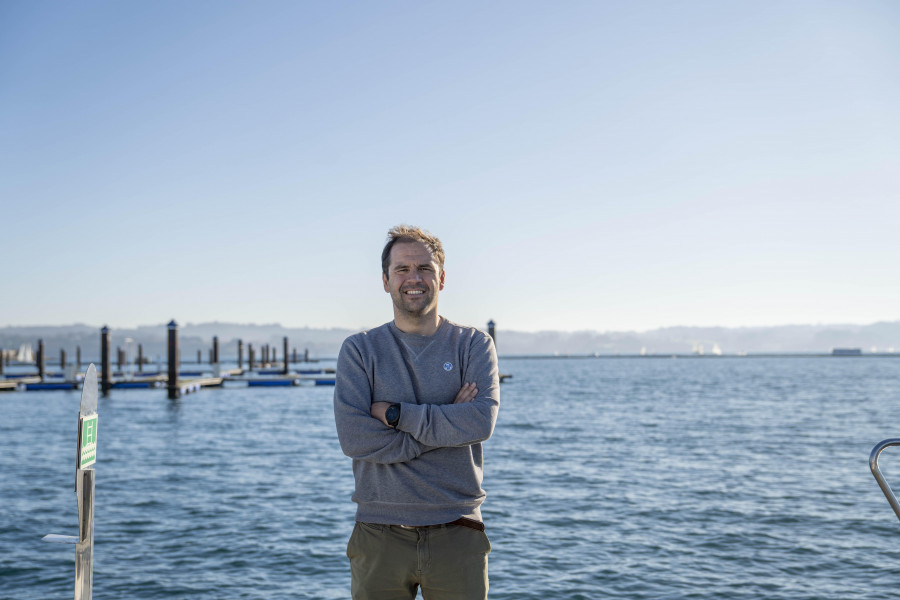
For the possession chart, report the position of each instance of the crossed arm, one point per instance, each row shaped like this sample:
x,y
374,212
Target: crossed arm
x,y
362,437
467,393
362,428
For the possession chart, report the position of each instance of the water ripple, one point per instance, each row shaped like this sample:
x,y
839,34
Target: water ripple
x,y
623,478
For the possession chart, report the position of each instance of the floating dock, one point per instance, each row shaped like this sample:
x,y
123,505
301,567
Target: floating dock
x,y
188,381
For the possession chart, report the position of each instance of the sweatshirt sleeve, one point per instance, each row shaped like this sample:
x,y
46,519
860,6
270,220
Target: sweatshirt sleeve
x,y
362,436
455,425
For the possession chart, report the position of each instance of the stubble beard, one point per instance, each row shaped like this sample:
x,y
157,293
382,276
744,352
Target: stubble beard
x,y
415,306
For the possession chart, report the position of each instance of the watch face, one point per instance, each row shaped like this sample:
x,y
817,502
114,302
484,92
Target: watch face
x,y
393,414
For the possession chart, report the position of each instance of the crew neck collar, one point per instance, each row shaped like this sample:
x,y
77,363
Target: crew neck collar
x,y
399,331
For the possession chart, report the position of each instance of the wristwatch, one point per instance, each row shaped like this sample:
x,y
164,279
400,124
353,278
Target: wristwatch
x,y
392,415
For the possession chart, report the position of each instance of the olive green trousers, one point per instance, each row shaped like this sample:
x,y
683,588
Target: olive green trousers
x,y
389,562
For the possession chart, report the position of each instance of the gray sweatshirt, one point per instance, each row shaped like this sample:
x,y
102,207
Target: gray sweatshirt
x,y
429,469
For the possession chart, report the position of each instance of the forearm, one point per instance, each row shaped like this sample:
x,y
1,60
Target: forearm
x,y
373,441
449,425
362,436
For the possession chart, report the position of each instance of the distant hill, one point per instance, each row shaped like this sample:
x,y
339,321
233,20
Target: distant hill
x,y
325,343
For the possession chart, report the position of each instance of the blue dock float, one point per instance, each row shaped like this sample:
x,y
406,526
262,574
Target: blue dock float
x,y
271,382
324,381
29,387
136,384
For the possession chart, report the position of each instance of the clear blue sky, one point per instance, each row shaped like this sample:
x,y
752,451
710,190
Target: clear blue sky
x,y
588,165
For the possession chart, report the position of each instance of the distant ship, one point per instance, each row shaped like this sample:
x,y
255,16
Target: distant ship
x,y
846,351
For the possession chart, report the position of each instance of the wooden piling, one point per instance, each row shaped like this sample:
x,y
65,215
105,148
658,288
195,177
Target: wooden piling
x,y
240,354
140,358
215,350
77,359
2,360
306,355
294,356
284,342
120,359
492,331
173,360
62,359
250,353
41,361
199,357
106,375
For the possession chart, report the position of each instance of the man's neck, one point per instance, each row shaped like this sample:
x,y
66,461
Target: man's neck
x,y
425,325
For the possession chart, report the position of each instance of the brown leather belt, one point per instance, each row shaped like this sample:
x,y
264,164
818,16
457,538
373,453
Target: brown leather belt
x,y
462,521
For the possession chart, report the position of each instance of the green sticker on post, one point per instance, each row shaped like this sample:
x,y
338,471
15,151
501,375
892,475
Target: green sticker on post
x,y
88,441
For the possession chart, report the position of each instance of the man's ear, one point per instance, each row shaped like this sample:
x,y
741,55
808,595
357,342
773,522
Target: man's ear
x,y
442,280
384,280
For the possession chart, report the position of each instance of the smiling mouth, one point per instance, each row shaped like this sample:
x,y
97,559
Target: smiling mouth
x,y
414,292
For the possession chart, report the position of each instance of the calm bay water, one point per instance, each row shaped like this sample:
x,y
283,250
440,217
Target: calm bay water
x,y
606,478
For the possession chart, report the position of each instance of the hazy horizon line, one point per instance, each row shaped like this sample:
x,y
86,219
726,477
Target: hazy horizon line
x,y
535,331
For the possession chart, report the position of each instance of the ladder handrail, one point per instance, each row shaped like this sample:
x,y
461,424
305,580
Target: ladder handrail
x,y
879,476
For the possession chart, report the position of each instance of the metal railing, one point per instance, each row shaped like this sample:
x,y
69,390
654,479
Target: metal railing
x,y
879,476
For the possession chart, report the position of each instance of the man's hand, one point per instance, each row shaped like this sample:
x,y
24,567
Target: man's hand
x,y
466,393
379,410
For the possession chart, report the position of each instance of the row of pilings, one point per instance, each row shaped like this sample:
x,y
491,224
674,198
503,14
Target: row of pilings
x,y
267,355
40,360
267,358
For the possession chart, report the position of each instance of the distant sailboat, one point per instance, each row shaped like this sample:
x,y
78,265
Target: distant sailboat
x,y
25,354
716,350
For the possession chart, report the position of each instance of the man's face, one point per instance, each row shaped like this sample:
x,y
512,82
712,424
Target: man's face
x,y
414,279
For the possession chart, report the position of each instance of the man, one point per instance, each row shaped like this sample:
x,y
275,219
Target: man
x,y
413,400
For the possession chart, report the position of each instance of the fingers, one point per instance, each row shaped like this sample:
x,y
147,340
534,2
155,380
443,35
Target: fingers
x,y
466,393
378,410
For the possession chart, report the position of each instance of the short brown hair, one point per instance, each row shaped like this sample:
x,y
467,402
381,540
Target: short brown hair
x,y
409,233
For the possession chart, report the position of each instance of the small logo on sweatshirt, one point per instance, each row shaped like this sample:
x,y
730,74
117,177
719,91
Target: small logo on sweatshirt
x,y
448,366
